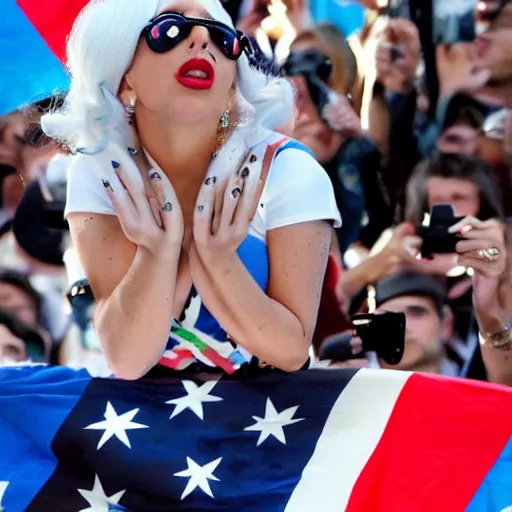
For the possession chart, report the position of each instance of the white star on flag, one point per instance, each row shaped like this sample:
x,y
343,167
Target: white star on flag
x,y
199,476
3,488
115,425
97,499
194,399
273,422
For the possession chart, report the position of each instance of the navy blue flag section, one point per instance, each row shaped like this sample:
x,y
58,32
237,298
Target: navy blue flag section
x,y
301,442
170,445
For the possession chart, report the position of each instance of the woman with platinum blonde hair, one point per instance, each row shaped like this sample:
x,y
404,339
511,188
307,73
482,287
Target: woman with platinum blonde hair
x,y
204,234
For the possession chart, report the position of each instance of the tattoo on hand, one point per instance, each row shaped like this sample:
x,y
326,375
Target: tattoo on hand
x,y
107,184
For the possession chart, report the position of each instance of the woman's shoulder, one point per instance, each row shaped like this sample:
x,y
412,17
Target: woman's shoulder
x,y
82,167
297,188
85,190
278,143
291,161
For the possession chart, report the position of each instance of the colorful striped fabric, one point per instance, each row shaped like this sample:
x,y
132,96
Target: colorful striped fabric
x,y
316,440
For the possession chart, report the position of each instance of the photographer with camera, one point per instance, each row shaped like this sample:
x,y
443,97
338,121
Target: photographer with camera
x,y
323,70
468,252
473,260
392,113
422,299
423,343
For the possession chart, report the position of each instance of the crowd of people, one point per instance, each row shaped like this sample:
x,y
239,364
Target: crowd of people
x,y
393,144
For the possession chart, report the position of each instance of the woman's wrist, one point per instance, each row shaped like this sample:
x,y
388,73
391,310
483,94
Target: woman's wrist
x,y
500,339
220,263
168,253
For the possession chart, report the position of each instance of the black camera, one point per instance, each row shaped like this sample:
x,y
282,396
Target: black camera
x,y
436,236
383,334
316,68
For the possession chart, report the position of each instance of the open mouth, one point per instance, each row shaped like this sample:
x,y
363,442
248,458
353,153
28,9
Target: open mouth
x,y
196,74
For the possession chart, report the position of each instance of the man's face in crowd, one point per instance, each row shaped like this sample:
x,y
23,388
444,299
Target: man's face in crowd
x,y
18,303
423,339
494,47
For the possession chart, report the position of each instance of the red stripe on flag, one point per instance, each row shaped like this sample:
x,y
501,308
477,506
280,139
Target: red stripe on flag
x,y
53,19
442,438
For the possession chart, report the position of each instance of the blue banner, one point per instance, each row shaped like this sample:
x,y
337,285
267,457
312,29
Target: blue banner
x,y
28,69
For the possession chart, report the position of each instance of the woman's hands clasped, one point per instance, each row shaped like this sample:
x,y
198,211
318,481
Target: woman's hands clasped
x,y
150,215
223,216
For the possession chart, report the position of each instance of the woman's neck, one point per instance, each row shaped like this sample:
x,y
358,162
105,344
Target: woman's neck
x,y
181,151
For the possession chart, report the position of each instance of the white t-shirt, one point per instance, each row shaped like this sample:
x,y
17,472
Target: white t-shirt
x,y
297,190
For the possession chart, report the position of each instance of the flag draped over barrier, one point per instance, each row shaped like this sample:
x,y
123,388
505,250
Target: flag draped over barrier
x,y
318,440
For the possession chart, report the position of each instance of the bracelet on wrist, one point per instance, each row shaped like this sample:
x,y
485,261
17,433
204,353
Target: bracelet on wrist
x,y
500,340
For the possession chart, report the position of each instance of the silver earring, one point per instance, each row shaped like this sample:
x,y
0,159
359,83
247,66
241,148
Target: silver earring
x,y
130,115
129,109
224,120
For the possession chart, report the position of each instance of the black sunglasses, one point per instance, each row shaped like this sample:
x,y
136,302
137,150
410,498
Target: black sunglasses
x,y
167,30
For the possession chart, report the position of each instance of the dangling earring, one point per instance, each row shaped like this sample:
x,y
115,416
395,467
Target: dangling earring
x,y
222,130
224,120
129,109
130,117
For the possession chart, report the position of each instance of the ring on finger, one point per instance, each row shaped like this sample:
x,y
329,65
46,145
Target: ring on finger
x,y
167,207
491,254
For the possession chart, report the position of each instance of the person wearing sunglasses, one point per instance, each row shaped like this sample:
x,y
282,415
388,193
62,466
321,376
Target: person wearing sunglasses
x,y
204,248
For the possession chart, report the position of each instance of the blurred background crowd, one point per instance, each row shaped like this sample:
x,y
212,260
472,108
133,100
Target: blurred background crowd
x,y
407,108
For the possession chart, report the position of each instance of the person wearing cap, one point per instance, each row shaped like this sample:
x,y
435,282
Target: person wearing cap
x,y
429,330
480,273
422,298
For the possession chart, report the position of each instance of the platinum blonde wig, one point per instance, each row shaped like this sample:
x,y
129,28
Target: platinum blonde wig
x,y
100,51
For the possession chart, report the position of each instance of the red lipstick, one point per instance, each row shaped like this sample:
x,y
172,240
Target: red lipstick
x,y
196,74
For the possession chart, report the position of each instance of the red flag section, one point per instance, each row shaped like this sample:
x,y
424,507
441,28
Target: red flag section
x,y
53,19
432,453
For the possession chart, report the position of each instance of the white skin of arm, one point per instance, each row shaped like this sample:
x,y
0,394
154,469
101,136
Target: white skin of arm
x,y
276,327
134,292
